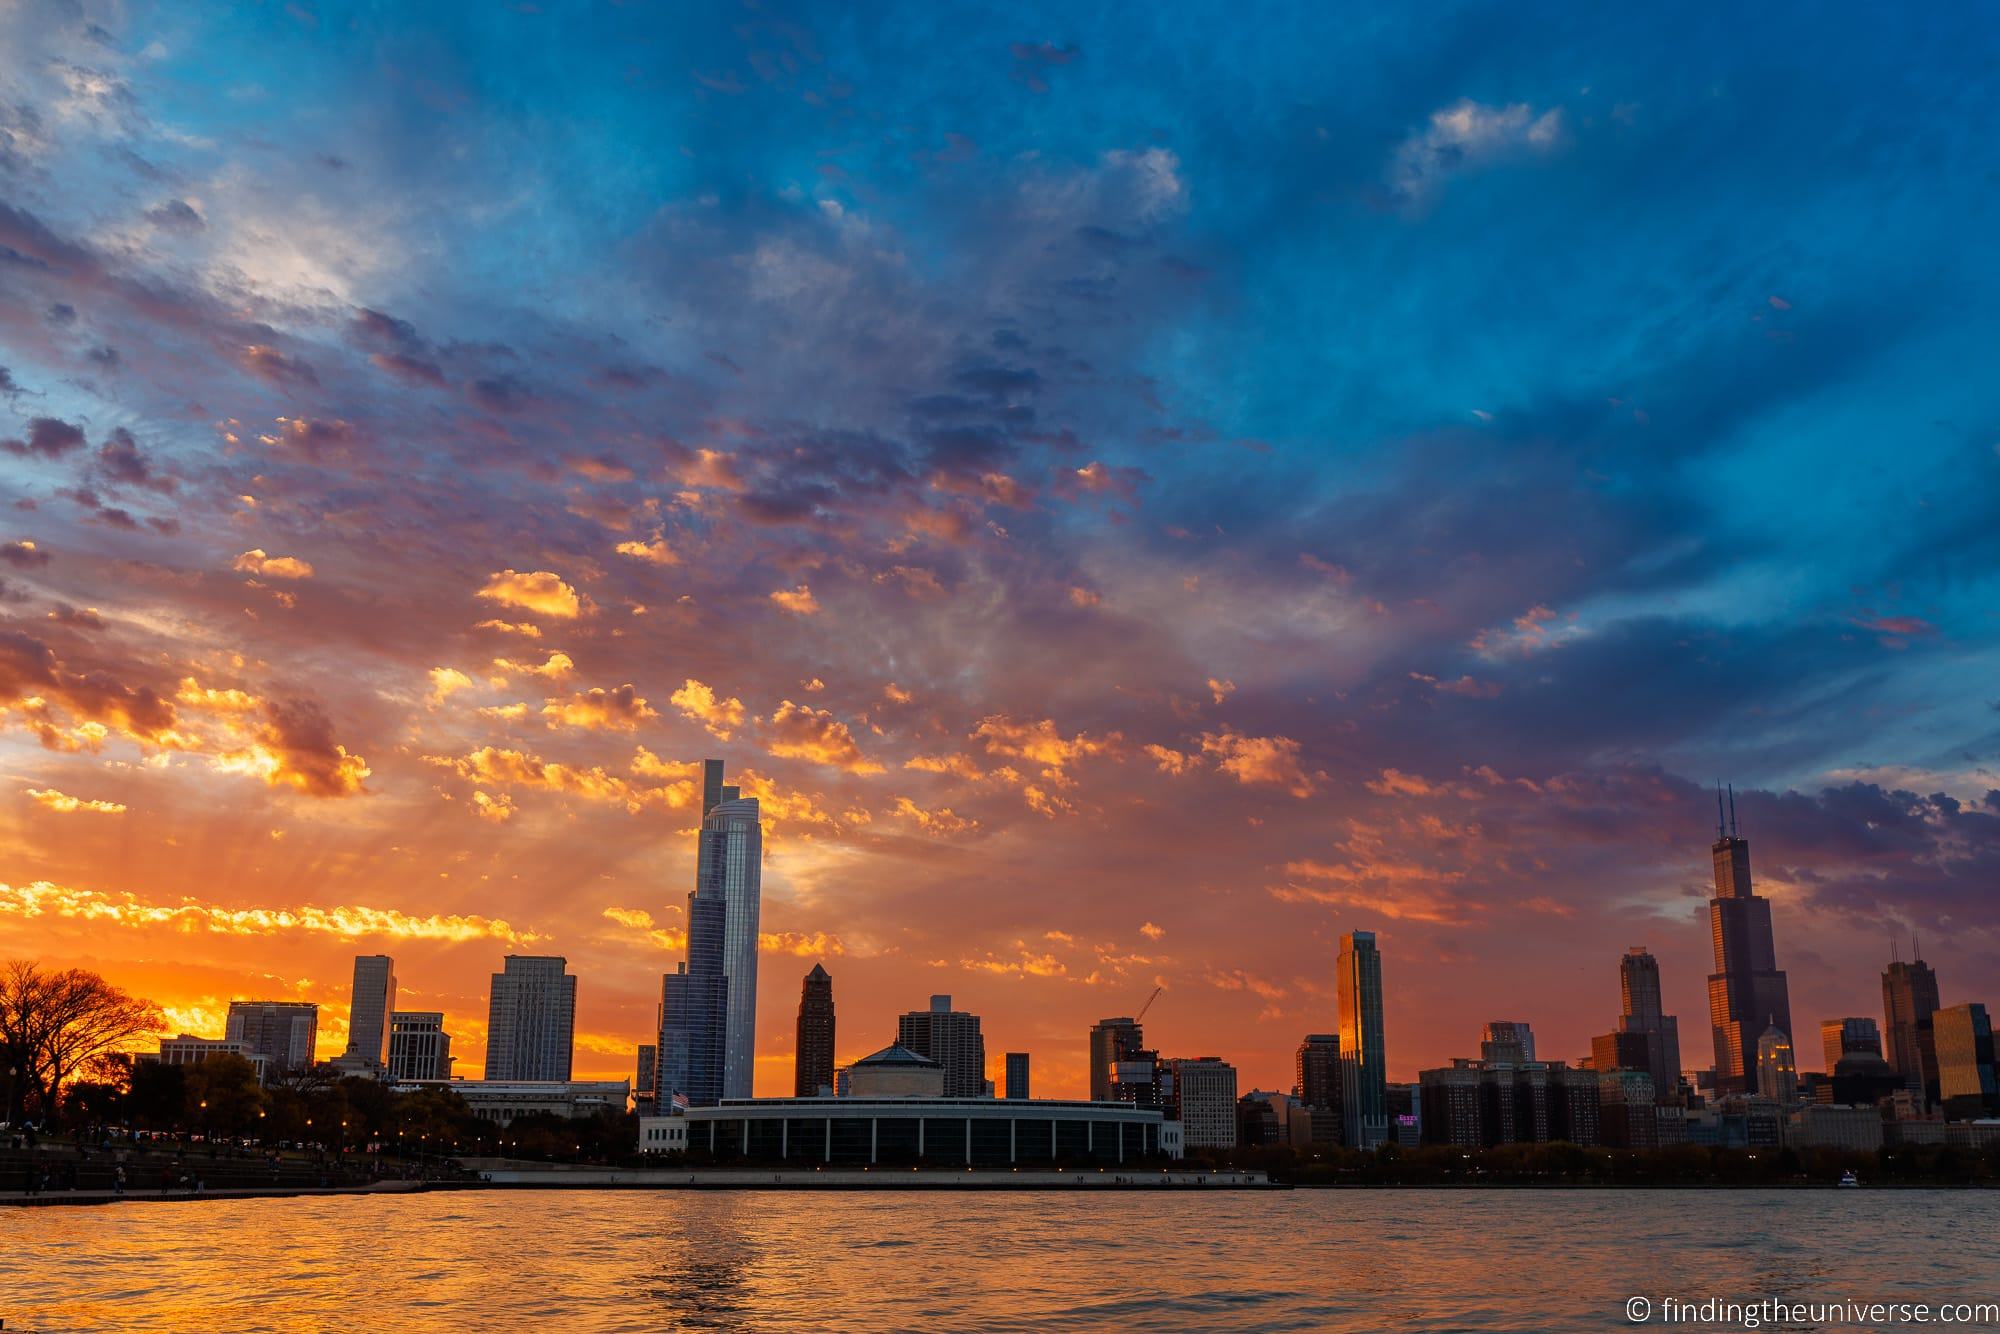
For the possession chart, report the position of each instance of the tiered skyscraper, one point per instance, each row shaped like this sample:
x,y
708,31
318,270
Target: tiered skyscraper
x,y
694,1010
531,1019
374,1000
1746,992
730,866
1364,1071
1646,1038
815,1043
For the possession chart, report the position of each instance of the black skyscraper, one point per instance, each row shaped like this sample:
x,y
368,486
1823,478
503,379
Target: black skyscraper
x,y
815,1045
1746,992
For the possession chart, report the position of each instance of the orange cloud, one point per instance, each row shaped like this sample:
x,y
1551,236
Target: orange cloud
x,y
943,821
526,629
1170,761
61,802
799,601
801,732
44,899
1039,743
619,709
255,561
655,552
446,680
1258,759
540,592
954,764
720,716
558,665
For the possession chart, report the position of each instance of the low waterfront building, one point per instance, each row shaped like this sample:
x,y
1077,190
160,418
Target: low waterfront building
x,y
895,1072
1823,1126
907,1131
502,1100
190,1050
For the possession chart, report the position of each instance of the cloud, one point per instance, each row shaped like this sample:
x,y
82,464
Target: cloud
x,y
557,666
267,363
48,438
445,681
1152,932
62,803
540,592
943,822
1258,759
801,732
799,601
45,900
1468,135
1039,743
959,766
655,552
255,561
720,716
1220,690
24,554
619,709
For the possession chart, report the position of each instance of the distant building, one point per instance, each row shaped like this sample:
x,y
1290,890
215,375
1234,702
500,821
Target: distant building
x,y
1747,993
531,1019
896,1072
1318,1087
1142,1079
503,1100
1364,1067
1206,1090
731,865
419,1048
1264,1119
1909,999
1471,1104
1848,1037
1506,1041
1777,1068
645,1074
187,1050
952,1039
284,1033
1111,1041
812,1074
373,1001
1627,1113
1406,1114
1017,1075
1646,1038
1968,1085
1859,1129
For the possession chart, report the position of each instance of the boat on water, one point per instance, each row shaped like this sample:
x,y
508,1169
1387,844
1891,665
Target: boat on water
x,y
1848,1178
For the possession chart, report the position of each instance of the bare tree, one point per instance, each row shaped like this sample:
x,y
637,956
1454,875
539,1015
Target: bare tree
x,y
53,1023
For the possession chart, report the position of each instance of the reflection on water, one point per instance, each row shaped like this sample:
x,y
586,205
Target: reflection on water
x,y
648,1260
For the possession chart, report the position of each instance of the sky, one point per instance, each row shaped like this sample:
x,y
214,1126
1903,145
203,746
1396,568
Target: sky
x,y
1135,494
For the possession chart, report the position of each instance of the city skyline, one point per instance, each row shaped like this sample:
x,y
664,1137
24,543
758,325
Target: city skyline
x,y
1132,509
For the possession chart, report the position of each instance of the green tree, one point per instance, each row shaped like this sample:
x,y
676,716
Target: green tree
x,y
222,1095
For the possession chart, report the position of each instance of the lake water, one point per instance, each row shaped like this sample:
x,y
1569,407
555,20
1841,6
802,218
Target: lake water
x,y
1319,1260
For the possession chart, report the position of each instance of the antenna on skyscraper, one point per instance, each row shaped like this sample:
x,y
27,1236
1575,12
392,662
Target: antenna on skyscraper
x,y
1733,831
1721,830
1916,950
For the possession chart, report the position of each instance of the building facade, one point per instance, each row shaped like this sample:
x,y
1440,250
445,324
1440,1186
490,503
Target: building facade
x,y
1364,1068
694,1010
419,1048
187,1050
503,1100
373,1001
1111,1041
1777,1066
1317,1087
1657,1049
1968,1084
813,1073
1909,999
1747,992
1017,1075
284,1033
730,866
952,1039
1839,1038
1205,1099
531,1019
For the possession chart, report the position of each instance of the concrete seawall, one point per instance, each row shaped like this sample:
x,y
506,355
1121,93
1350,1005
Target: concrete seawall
x,y
710,1178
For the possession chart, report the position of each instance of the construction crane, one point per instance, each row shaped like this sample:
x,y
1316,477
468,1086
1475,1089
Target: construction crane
x,y
1148,1005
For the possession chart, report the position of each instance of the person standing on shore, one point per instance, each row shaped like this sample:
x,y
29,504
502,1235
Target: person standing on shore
x,y
118,1180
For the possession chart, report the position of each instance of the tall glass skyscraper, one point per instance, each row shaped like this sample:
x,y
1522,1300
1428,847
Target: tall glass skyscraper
x,y
373,1001
694,1012
730,867
1909,999
1747,993
1364,1071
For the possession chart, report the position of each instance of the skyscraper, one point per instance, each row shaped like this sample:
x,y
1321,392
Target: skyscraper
x,y
952,1039
1111,1041
1017,1075
531,1018
1205,1102
1968,1082
374,1000
1318,1086
731,866
1777,1070
419,1048
1363,1069
284,1033
1646,1038
1909,999
814,1073
1746,992
694,1011
1506,1041
1848,1037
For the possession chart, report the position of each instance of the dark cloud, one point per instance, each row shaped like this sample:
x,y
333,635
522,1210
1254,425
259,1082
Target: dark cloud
x,y
176,215
48,438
